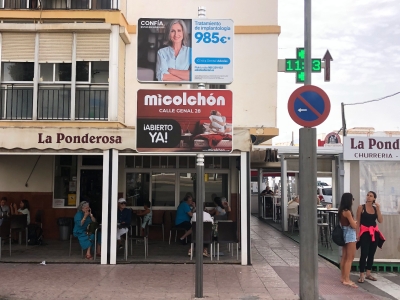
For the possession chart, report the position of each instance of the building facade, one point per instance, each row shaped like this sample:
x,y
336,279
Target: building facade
x,y
68,110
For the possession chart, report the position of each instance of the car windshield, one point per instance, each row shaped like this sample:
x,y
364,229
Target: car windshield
x,y
327,192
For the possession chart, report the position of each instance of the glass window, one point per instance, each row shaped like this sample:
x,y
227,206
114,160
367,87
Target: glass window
x,y
65,177
137,188
155,162
46,72
171,162
183,162
163,189
99,71
92,160
382,177
215,184
187,184
225,162
17,71
63,72
82,71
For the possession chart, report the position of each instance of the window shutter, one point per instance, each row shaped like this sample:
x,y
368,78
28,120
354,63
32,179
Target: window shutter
x,y
18,47
55,47
92,46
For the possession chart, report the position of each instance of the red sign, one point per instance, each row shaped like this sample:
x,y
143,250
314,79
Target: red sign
x,y
184,121
332,138
309,106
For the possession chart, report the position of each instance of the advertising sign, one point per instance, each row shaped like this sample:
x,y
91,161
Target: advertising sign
x,y
184,121
332,139
371,148
185,50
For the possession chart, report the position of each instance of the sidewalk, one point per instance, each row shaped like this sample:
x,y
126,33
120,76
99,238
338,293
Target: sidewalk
x,y
273,275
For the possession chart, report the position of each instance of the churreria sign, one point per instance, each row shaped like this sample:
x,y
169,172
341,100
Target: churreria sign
x,y
376,148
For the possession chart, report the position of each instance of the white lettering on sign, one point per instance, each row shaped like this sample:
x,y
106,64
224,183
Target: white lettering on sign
x,y
157,100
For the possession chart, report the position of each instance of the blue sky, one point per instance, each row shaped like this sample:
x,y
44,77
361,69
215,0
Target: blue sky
x,y
363,38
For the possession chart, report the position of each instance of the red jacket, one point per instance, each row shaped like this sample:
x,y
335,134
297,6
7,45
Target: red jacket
x,y
371,230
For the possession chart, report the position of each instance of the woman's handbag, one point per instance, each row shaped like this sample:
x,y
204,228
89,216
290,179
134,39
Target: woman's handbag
x,y
337,235
91,228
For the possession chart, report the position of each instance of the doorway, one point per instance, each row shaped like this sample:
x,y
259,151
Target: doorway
x,y
91,187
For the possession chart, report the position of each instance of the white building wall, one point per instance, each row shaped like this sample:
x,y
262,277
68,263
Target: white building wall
x,y
19,167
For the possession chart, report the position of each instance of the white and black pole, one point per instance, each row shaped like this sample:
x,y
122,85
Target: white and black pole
x,y
200,191
308,185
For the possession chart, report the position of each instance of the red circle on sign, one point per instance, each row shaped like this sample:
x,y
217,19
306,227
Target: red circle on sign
x,y
297,93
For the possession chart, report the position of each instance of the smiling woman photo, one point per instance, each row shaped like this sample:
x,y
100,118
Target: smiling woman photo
x,y
173,61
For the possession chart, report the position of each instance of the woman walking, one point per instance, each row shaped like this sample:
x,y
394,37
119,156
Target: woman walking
x,y
368,234
349,226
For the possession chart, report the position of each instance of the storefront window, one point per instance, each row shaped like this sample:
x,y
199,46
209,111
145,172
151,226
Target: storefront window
x,y
217,184
163,189
382,177
187,183
137,188
65,178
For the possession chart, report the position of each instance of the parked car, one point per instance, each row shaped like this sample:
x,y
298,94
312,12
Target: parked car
x,y
323,184
325,194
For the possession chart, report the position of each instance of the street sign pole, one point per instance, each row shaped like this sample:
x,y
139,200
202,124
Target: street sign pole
x,y
200,191
308,185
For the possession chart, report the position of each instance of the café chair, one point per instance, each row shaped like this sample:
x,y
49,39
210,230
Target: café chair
x,y
39,218
323,235
71,236
173,227
137,237
5,233
227,234
207,237
158,220
17,224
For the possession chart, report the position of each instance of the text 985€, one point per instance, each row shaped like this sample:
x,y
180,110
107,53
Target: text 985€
x,y
210,37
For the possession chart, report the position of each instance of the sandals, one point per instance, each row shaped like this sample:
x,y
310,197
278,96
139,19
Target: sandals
x,y
361,280
88,257
370,277
350,284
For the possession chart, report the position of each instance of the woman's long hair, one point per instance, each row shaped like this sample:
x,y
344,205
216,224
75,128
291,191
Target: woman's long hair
x,y
185,40
346,203
26,204
373,193
218,201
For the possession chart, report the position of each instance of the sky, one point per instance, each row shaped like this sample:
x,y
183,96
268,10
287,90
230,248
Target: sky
x,y
363,38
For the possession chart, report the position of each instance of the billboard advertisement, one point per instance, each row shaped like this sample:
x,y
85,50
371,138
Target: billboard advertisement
x,y
185,50
184,121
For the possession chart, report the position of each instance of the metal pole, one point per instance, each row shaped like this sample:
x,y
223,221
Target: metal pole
x,y
308,215
200,188
308,186
200,191
344,129
307,42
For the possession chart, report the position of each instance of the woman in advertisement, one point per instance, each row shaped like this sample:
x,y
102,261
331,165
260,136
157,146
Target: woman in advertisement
x,y
173,61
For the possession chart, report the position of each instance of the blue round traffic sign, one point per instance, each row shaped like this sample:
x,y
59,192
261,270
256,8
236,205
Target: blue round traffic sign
x,y
309,106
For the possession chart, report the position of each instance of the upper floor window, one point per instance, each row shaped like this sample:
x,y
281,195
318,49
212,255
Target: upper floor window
x,y
92,72
55,72
17,71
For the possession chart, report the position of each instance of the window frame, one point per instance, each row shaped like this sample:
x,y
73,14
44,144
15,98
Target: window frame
x,y
16,82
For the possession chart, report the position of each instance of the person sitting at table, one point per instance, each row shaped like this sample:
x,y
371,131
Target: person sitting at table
x,y
183,215
206,218
22,210
124,220
147,215
225,204
82,219
220,207
4,209
293,205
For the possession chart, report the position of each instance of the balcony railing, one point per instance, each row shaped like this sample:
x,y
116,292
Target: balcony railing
x,y
60,4
54,102
16,103
91,103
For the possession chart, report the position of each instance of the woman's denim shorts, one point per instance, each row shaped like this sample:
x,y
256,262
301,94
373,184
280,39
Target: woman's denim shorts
x,y
349,234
